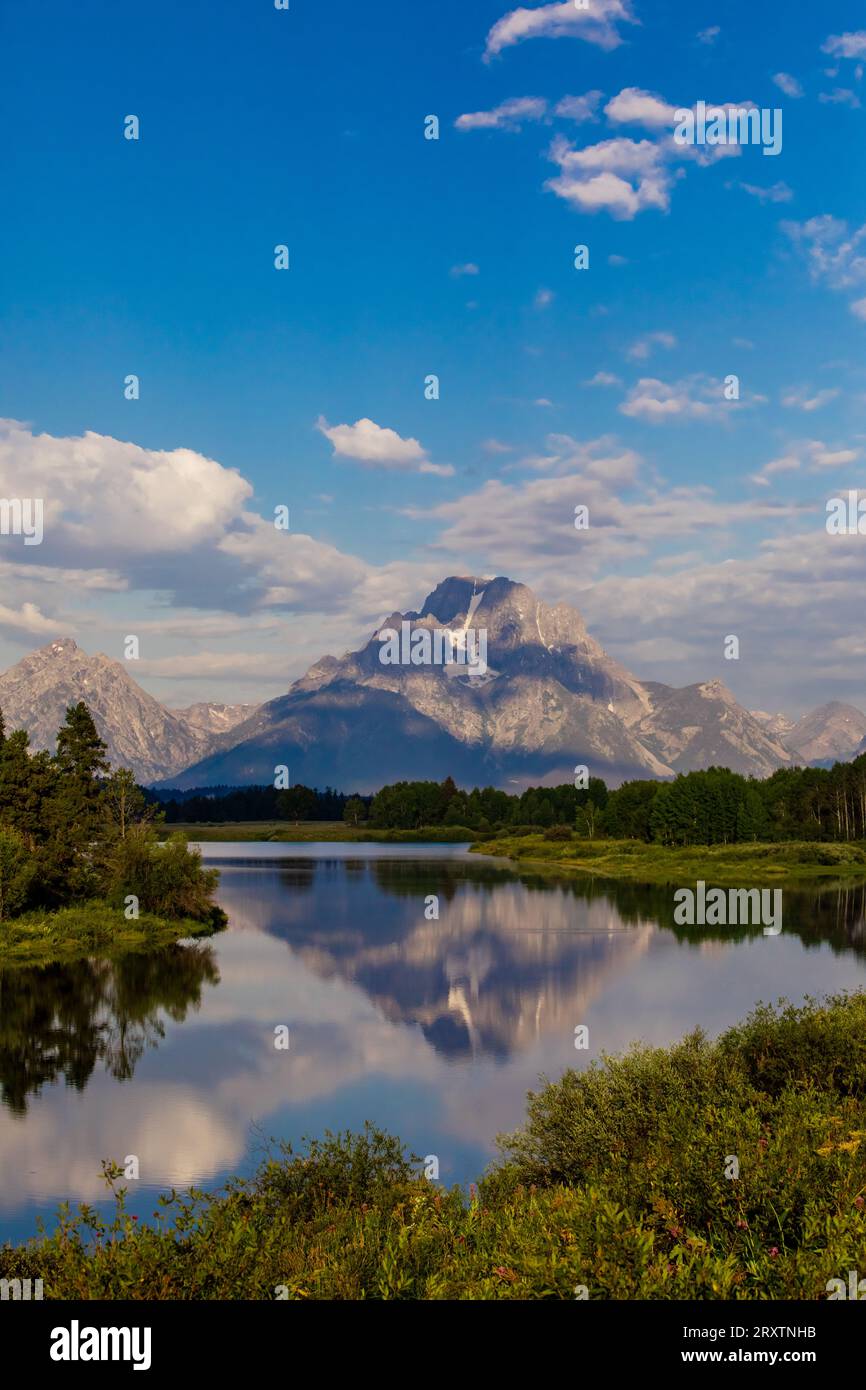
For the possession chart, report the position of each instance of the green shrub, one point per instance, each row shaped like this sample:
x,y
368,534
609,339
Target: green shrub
x,y
620,1182
558,832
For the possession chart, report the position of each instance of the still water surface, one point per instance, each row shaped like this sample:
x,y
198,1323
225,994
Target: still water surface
x,y
435,1030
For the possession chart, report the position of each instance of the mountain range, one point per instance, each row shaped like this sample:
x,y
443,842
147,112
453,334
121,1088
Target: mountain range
x,y
549,699
140,732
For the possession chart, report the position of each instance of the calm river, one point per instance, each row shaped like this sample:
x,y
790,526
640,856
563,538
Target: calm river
x,y
433,1029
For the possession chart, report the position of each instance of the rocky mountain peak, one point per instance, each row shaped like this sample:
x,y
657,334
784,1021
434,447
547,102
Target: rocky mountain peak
x,y
451,599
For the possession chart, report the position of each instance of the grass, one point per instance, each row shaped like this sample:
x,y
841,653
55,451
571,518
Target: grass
x,y
91,929
620,1185
717,864
305,831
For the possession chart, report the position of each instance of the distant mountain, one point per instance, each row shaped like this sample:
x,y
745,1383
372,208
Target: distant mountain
x,y
139,731
214,719
703,726
834,732
776,724
550,699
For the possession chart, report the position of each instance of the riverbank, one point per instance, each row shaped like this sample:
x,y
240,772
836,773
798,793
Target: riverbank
x,y
304,832
726,1170
92,929
722,865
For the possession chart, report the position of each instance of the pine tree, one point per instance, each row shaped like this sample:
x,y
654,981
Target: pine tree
x,y
80,750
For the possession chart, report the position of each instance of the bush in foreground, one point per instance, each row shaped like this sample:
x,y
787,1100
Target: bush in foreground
x,y
616,1184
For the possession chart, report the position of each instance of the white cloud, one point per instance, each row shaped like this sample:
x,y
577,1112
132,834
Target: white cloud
x,y
26,619
788,463
799,398
841,96
620,176
603,379
846,45
624,176
642,347
834,252
776,193
633,106
788,84
379,447
544,298
659,402
821,456
103,495
596,24
812,455
469,268
579,108
509,115
710,35
859,308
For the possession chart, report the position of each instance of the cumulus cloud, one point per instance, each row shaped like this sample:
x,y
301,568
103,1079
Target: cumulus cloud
x,y
624,176
659,402
469,268
26,620
376,446
620,176
597,24
103,495
509,115
633,106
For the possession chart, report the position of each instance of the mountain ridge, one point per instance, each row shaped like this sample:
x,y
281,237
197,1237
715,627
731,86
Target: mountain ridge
x,y
548,699
138,730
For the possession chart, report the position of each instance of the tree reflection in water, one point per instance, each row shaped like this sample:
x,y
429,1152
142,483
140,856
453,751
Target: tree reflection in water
x,y
61,1020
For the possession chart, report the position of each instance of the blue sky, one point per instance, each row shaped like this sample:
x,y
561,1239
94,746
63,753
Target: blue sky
x,y
408,257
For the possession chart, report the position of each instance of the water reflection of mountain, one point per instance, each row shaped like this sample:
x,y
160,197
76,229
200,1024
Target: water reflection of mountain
x,y
60,1020
503,963
513,954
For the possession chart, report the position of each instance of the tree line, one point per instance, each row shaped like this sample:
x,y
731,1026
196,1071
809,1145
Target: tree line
x,y
73,830
218,805
714,806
